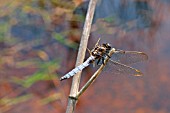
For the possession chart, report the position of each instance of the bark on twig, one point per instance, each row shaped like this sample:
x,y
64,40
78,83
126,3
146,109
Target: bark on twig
x,y
72,100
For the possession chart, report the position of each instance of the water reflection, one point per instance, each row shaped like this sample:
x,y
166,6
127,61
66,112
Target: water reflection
x,y
38,39
121,12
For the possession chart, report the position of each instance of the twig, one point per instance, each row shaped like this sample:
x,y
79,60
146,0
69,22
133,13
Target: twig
x,y
95,75
81,54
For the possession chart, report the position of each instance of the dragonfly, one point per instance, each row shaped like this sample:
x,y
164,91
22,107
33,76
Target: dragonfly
x,y
118,61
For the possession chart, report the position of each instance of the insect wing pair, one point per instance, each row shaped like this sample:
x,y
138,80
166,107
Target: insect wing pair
x,y
120,60
117,63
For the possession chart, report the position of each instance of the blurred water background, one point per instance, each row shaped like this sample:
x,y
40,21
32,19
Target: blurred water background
x,y
39,40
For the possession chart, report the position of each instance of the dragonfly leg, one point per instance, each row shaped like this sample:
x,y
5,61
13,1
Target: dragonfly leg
x,y
97,43
107,55
98,61
89,51
103,58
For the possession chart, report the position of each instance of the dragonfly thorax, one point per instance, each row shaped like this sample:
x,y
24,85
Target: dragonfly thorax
x,y
101,50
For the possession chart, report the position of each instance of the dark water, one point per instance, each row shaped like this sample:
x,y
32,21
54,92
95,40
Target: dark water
x,y
51,29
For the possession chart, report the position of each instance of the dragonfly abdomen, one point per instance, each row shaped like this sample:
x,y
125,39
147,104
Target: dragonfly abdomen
x,y
78,68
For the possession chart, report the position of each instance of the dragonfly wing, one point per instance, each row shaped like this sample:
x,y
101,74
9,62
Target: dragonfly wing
x,y
118,68
129,57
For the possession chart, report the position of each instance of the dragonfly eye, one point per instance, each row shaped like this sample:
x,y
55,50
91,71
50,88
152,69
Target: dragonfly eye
x,y
108,45
104,45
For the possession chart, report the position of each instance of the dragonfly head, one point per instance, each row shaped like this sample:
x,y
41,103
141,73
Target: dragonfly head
x,y
107,46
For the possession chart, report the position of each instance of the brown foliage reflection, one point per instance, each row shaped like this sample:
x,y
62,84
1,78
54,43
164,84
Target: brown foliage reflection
x,y
38,45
